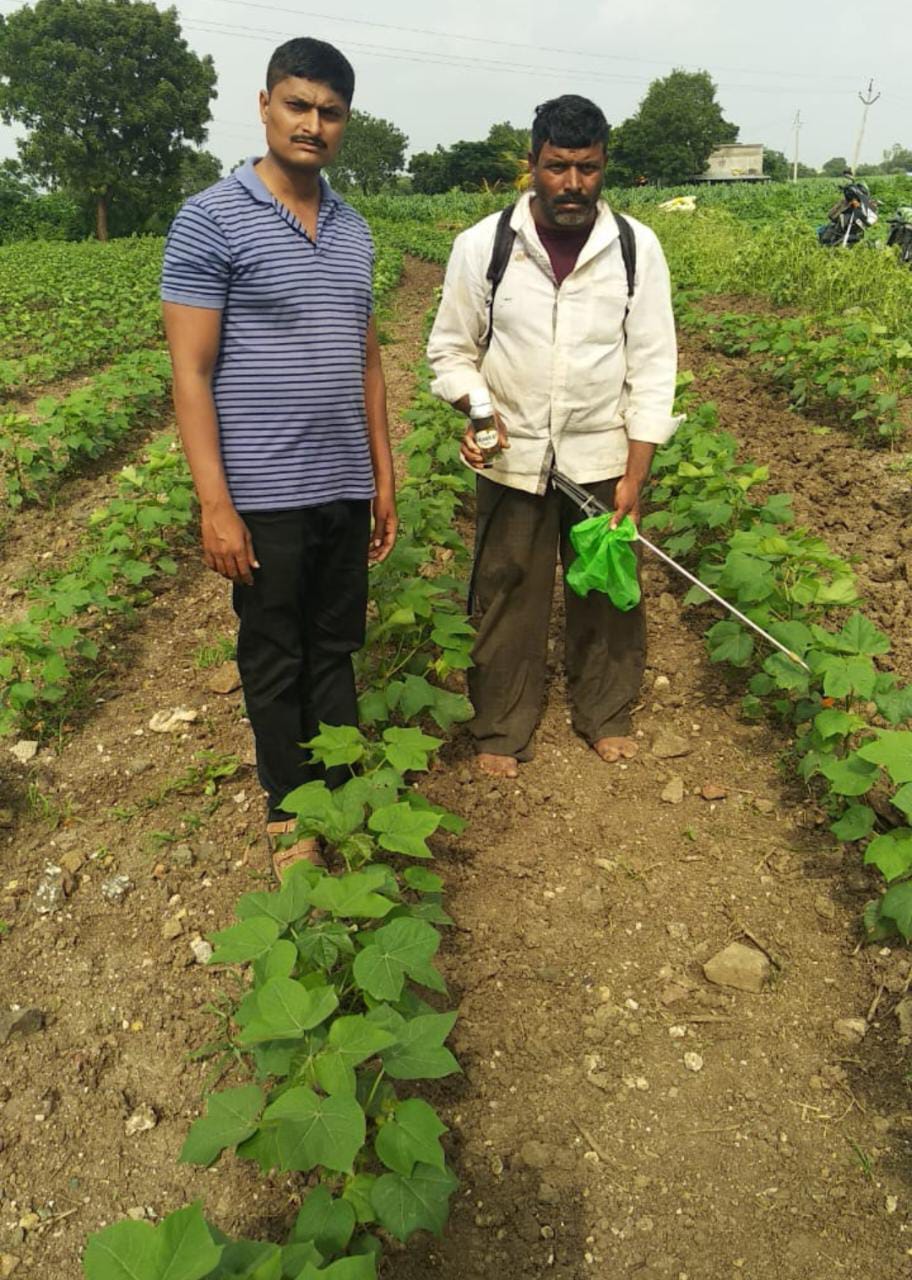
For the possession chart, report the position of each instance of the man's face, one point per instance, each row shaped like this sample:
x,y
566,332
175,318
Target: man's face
x,y
305,122
567,183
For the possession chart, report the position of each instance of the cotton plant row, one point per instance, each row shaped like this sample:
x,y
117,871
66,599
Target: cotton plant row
x,y
849,713
336,1026
848,364
36,453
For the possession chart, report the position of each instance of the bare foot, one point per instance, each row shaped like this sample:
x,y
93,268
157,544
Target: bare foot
x,y
613,749
497,766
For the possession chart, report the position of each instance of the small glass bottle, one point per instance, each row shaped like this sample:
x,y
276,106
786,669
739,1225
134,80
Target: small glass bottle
x,y
484,425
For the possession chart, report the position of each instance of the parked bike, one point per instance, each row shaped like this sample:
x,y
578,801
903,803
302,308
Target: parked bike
x,y
849,218
901,233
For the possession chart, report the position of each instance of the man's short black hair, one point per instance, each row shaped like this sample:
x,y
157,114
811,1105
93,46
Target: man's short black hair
x,y
310,59
569,121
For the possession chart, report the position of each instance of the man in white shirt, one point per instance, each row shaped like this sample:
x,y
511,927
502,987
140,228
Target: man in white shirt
x,y
581,374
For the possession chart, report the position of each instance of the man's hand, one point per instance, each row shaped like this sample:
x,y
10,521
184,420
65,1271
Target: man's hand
x,y
470,450
626,500
227,544
386,524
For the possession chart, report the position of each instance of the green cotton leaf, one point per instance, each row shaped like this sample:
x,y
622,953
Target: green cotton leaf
x,y
892,748
353,895
322,943
902,799
357,1193
891,853
403,947
849,776
373,707
407,1205
785,673
749,579
337,745
363,1267
794,635
896,905
326,1221
841,591
856,823
285,905
419,1052
250,1260
410,1136
178,1248
729,642
245,941
295,1258
833,723
351,1041
311,802
316,1131
449,708
403,829
262,1149
278,962
286,1009
422,880
231,1117
861,637
409,749
845,676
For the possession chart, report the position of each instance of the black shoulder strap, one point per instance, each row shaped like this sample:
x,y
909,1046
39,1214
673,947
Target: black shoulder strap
x,y
629,252
503,247
500,257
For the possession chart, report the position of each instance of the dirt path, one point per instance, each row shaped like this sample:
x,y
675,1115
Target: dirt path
x,y
123,999
585,905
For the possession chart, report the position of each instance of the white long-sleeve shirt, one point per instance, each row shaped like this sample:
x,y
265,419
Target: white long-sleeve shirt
x,y
569,388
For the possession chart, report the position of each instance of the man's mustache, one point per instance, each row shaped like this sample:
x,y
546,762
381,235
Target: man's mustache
x,y
311,142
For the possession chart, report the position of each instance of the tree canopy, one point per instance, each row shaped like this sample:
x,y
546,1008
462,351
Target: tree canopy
x,y
110,94
776,165
495,161
373,152
671,136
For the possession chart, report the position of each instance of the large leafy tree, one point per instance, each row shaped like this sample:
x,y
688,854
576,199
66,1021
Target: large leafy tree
x,y
373,152
776,165
677,126
110,94
834,167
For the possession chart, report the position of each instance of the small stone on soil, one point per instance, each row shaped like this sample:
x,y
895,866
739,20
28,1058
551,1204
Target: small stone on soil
x,y
202,950
738,966
674,791
141,1121
172,721
851,1030
904,1014
24,750
825,907
20,1022
116,888
764,806
50,894
669,746
224,679
693,1062
711,791
171,929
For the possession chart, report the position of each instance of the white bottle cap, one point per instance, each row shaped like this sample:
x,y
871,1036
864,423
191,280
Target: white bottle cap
x,y
480,403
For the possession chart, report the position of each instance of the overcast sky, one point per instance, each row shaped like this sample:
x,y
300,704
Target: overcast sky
x,y
448,71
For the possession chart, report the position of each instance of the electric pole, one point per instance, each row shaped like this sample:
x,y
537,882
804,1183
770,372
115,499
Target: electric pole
x,y
867,101
797,133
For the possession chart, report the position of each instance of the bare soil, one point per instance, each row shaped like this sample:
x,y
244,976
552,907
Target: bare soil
x,y
585,907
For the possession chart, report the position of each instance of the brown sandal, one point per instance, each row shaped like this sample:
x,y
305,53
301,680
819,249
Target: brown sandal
x,y
306,850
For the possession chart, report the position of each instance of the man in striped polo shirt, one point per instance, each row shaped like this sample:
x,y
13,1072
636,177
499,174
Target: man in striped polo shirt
x,y
281,405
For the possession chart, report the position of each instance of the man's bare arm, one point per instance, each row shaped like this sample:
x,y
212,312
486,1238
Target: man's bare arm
x,y
386,521
194,337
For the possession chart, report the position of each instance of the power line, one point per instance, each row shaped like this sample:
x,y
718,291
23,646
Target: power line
x,y
470,62
512,44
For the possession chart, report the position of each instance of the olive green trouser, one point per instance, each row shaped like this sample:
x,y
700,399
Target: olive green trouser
x,y
517,538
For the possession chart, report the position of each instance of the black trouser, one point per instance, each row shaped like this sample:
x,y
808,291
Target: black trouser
x,y
300,623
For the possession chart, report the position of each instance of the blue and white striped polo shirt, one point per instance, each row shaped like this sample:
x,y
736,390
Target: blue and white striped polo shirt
x,y
289,382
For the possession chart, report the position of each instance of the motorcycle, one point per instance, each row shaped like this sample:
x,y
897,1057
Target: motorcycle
x,y
901,233
849,218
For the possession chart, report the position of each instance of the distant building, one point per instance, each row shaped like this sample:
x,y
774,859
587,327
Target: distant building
x,y
737,162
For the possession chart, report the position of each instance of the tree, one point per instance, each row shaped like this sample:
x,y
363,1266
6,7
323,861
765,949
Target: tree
x,y
897,159
110,93
775,165
676,127
835,167
198,170
430,171
373,152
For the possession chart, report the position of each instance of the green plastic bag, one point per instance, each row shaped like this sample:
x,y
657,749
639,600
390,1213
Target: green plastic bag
x,y
605,561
